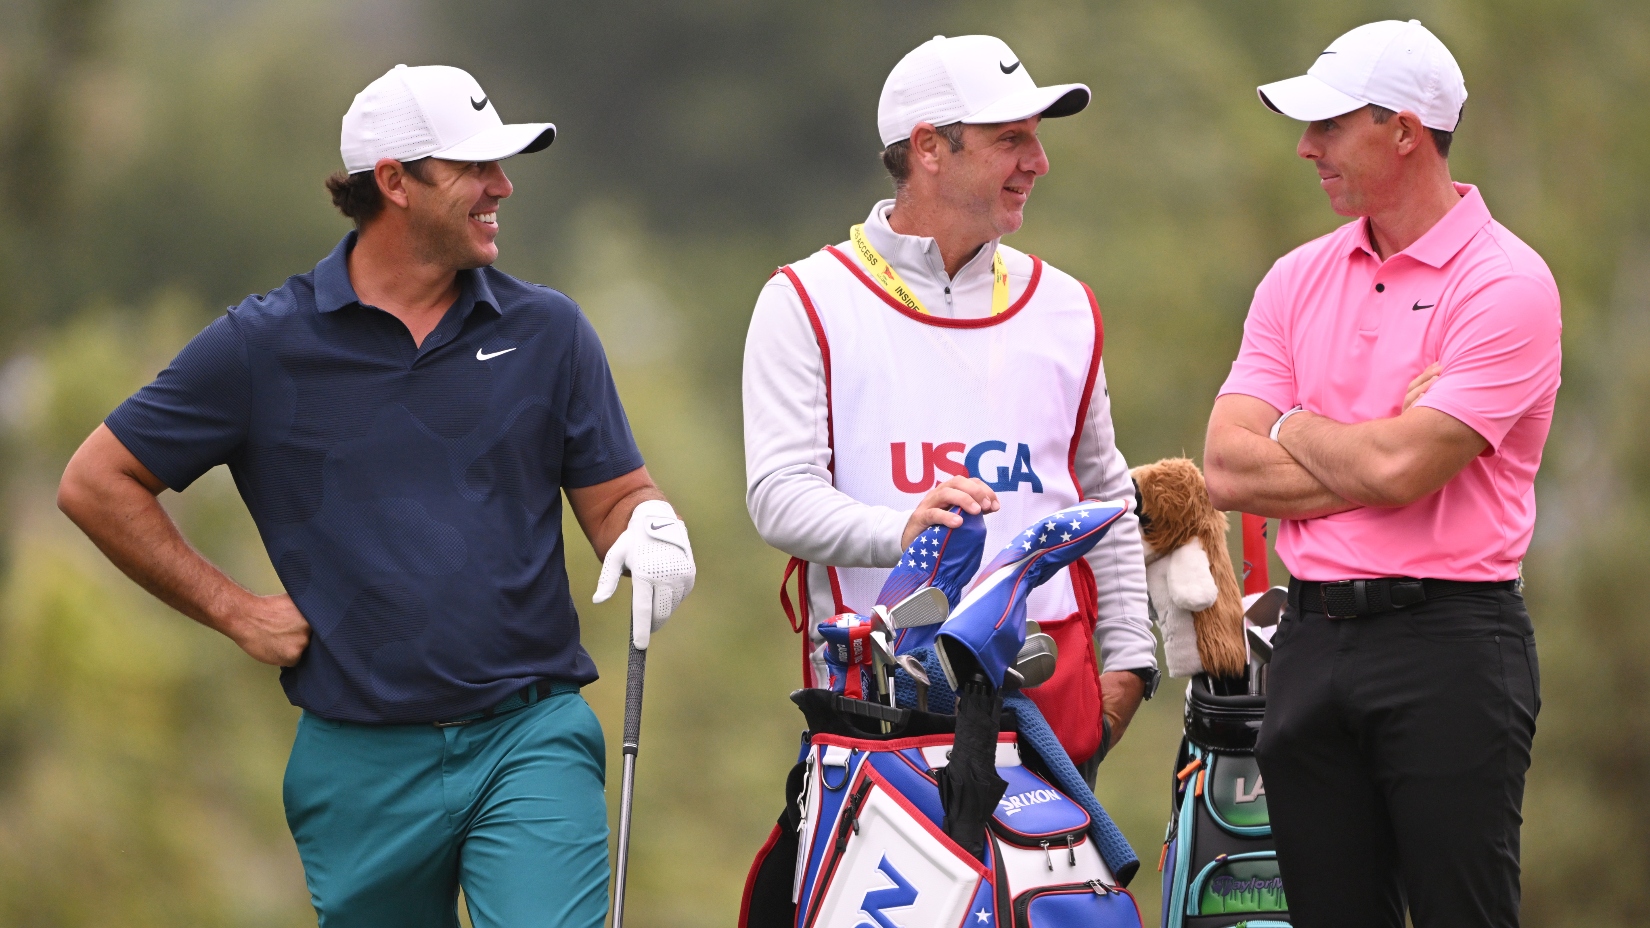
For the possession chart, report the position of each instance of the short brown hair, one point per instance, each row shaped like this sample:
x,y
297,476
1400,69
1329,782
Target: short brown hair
x,y
1440,138
897,157
357,195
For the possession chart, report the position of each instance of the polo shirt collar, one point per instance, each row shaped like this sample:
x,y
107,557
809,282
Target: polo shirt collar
x,y
333,290
1444,240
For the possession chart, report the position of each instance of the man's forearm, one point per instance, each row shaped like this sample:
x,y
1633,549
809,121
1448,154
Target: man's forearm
x,y
1343,457
112,497
131,528
1121,693
798,511
1383,462
1249,472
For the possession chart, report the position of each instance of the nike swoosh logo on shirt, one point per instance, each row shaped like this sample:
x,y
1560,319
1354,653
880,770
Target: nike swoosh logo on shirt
x,y
1420,306
480,356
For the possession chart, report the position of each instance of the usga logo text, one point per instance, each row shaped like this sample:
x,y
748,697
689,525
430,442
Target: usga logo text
x,y
943,458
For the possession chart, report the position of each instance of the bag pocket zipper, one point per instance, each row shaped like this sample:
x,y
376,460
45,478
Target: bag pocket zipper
x,y
1022,905
847,825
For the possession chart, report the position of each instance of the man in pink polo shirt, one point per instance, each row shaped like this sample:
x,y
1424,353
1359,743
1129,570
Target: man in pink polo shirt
x,y
1389,404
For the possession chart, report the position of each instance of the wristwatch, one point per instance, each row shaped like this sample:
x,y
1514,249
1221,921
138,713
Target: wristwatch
x,y
1150,676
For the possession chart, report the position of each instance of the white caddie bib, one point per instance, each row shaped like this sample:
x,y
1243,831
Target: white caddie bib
x,y
916,399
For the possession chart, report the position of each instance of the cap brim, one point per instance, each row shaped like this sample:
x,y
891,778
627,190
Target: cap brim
x,y
1307,99
1048,102
501,142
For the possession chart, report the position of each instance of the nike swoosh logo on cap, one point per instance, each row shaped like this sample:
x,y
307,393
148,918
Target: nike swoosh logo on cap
x,y
478,106
1009,68
485,357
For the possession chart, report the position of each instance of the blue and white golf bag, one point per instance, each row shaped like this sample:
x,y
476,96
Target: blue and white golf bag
x,y
875,832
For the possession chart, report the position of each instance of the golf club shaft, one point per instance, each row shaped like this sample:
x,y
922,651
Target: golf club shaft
x,y
632,739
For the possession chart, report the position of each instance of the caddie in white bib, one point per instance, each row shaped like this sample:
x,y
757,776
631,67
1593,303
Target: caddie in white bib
x,y
921,365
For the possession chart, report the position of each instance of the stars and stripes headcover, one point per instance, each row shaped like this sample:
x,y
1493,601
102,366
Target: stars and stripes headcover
x,y
990,622
941,557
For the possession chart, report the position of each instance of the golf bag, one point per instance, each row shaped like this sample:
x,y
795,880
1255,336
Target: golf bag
x,y
972,813
862,839
1219,866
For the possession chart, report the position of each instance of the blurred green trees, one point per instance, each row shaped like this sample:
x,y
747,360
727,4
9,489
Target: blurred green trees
x,y
162,158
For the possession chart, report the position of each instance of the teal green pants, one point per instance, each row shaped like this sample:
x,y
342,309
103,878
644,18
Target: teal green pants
x,y
391,820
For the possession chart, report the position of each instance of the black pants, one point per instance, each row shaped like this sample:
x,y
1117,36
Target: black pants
x,y
1393,752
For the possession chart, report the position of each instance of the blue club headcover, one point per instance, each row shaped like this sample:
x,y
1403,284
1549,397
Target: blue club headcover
x,y
941,557
990,622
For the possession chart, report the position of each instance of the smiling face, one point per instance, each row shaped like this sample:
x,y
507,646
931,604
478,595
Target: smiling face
x,y
990,179
453,216
1357,159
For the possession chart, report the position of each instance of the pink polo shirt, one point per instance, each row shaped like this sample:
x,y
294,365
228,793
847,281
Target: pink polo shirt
x,y
1342,333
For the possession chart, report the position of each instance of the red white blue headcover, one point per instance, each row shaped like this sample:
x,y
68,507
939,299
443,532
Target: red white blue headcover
x,y
990,622
941,557
847,649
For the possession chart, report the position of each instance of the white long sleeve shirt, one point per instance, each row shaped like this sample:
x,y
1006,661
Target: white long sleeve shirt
x,y
787,448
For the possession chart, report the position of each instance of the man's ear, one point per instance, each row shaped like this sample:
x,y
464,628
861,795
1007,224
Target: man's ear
x,y
925,147
392,181
1407,132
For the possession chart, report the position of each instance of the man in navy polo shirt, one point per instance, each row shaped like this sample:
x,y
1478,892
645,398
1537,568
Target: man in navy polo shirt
x,y
402,422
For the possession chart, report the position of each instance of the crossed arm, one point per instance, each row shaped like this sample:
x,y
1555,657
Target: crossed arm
x,y
1319,466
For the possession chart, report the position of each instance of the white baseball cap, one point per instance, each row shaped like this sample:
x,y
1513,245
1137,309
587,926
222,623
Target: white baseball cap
x,y
974,79
431,112
1394,64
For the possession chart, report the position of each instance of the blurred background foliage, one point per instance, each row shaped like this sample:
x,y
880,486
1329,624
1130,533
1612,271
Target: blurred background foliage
x,y
159,159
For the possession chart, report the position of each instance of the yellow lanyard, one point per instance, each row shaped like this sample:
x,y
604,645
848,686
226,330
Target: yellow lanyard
x,y
884,274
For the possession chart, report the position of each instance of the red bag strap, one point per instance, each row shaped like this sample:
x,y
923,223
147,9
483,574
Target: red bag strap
x,y
1255,579
797,614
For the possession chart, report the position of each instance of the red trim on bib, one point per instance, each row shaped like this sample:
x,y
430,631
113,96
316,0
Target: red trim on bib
x,y
926,319
1088,391
824,357
800,619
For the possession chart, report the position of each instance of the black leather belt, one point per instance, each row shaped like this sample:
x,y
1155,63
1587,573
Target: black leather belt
x,y
1345,599
528,695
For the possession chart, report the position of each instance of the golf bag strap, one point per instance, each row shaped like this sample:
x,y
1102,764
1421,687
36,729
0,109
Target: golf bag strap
x,y
800,613
797,616
1255,569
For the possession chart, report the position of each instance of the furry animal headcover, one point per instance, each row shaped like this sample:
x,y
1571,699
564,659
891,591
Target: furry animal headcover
x,y
1189,571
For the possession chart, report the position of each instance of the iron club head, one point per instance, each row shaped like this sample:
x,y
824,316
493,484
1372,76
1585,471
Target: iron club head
x,y
1036,660
1266,607
918,675
927,606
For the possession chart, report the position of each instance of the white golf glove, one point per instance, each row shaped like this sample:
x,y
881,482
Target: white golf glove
x,y
655,553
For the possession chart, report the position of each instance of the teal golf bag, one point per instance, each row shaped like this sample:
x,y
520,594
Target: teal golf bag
x,y
1219,867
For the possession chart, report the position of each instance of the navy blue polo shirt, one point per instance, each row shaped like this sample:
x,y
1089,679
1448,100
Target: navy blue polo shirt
x,y
409,496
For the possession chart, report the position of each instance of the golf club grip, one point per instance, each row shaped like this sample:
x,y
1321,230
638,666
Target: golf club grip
x,y
633,699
